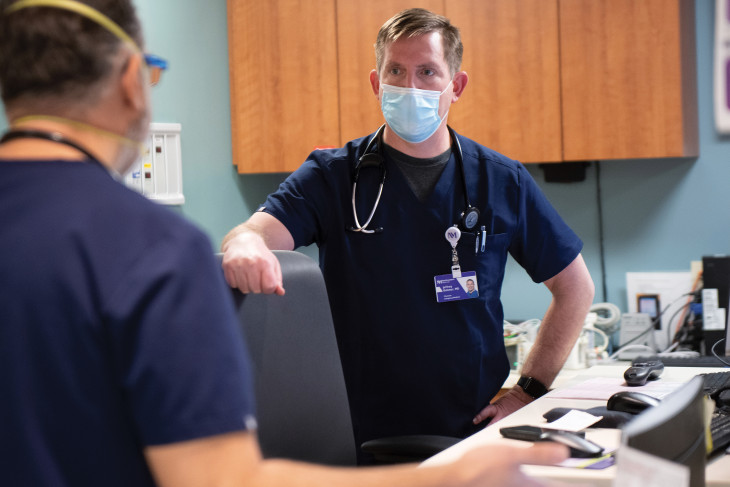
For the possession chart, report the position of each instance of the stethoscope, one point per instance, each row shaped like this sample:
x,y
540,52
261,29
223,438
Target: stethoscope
x,y
469,218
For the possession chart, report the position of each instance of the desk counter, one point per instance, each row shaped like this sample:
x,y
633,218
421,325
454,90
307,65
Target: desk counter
x,y
717,473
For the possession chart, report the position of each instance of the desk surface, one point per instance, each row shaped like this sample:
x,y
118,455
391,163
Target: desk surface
x,y
717,473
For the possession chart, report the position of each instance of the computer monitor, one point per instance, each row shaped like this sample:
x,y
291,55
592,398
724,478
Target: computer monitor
x,y
674,430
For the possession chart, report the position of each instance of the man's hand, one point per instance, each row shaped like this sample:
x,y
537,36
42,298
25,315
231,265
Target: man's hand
x,y
499,465
250,266
510,402
248,261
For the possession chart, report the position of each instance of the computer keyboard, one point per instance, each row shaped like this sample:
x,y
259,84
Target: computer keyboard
x,y
719,431
683,361
715,382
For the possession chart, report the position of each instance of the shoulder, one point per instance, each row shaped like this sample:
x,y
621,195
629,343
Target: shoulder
x,y
335,157
329,166
109,213
479,156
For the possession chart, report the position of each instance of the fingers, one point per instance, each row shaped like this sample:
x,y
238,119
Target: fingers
x,y
546,453
259,273
485,413
501,464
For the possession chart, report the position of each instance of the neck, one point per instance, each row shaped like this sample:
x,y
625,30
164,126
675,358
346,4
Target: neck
x,y
434,146
103,145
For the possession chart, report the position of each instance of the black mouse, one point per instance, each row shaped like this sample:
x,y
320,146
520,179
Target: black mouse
x,y
579,446
631,402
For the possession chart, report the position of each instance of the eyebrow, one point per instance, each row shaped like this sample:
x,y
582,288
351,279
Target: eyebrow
x,y
394,64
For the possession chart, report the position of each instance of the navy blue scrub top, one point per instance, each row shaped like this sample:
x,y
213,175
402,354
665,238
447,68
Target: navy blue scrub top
x,y
412,365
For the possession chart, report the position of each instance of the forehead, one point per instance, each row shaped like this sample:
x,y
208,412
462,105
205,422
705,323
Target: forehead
x,y
417,50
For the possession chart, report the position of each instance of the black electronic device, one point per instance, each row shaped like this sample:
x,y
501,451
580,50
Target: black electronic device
x,y
716,275
685,361
715,383
673,430
579,446
631,402
723,399
640,372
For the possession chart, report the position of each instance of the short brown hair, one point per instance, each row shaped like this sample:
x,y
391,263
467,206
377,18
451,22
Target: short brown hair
x,y
48,51
415,22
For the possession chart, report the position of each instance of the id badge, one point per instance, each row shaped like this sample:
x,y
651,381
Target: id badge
x,y
450,287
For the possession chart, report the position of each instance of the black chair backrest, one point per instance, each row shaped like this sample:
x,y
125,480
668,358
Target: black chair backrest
x,y
302,408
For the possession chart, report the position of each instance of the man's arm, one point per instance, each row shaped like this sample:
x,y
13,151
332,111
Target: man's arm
x,y
248,263
234,459
572,291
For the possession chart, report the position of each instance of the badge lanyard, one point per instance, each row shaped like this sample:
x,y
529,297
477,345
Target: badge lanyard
x,y
458,285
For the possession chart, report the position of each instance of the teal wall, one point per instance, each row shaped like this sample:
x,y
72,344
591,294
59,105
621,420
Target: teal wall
x,y
658,214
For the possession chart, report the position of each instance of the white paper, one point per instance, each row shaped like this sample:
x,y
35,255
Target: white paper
x,y
601,388
635,468
573,421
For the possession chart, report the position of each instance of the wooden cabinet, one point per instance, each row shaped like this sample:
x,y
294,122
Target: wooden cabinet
x,y
511,54
629,82
284,82
549,80
576,80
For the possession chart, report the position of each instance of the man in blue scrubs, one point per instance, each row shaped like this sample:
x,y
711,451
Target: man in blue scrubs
x,y
418,358
121,359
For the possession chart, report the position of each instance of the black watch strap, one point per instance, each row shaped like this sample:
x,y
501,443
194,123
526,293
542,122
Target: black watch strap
x,y
533,387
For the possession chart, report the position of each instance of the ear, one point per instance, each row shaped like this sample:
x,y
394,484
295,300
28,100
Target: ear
x,y
459,83
375,82
133,83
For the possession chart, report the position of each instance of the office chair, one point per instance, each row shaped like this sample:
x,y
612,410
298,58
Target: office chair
x,y
302,407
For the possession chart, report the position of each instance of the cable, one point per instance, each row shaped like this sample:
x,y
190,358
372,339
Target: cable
x,y
597,331
608,317
601,237
670,336
715,353
631,347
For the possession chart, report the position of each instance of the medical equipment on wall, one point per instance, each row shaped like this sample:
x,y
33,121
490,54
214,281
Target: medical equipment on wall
x,y
158,174
469,217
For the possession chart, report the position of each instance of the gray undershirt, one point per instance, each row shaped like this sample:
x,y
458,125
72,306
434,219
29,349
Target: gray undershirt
x,y
421,174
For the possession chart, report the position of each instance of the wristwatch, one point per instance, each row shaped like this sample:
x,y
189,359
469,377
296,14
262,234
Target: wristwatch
x,y
533,387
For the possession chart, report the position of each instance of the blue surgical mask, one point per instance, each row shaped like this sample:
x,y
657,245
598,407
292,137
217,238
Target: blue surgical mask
x,y
411,113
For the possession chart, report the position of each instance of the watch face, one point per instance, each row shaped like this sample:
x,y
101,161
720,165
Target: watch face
x,y
532,387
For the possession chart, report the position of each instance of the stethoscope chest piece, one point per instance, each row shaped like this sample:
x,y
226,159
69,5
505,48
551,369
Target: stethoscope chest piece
x,y
469,219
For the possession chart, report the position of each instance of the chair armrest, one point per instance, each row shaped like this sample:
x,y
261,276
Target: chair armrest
x,y
406,449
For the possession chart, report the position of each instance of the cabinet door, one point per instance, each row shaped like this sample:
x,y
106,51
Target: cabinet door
x,y
629,80
358,24
511,54
283,69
